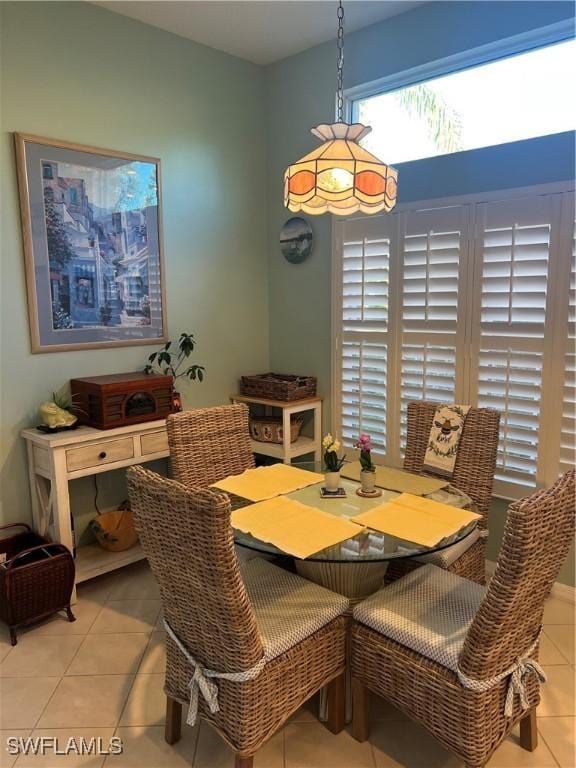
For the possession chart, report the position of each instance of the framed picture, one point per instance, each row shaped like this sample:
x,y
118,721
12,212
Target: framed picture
x,y
296,240
92,228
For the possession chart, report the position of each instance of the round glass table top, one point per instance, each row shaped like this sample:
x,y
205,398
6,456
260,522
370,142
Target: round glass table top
x,y
368,546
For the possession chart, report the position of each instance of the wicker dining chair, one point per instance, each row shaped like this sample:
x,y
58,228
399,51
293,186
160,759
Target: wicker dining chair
x,y
246,649
473,473
209,444
459,658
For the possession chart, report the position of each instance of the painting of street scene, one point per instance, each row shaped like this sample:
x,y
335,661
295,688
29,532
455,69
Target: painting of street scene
x,y
101,226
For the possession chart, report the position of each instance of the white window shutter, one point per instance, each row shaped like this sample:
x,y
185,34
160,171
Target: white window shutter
x,y
512,264
568,424
363,327
433,251
468,304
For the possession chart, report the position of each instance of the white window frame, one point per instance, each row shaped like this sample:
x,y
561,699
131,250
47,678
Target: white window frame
x,y
561,31
557,317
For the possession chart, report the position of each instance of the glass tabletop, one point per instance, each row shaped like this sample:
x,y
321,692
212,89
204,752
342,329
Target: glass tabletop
x,y
369,546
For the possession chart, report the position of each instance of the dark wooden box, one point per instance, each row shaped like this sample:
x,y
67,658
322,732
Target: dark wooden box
x,y
120,399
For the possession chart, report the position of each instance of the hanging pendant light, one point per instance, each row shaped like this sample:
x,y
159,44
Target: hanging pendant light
x,y
340,176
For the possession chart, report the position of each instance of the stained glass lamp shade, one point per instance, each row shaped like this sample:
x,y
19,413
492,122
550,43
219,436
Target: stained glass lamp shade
x,y
340,176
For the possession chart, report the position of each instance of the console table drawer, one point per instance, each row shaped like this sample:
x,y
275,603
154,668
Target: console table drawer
x,y
154,442
105,452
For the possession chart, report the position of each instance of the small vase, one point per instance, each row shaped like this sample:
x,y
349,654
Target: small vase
x,y
368,480
332,481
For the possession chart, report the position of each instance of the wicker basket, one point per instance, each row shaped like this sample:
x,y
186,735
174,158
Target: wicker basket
x,y
278,386
269,430
115,530
36,577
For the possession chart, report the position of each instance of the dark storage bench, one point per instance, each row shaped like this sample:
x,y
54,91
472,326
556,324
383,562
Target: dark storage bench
x,y
36,577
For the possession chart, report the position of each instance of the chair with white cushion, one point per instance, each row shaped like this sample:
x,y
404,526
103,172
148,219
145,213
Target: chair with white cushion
x,y
473,474
244,651
460,658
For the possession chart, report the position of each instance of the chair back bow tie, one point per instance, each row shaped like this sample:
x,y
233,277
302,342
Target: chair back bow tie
x,y
517,673
200,681
517,683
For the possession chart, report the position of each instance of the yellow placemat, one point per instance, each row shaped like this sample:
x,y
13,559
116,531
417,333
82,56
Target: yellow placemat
x,y
293,527
422,521
397,480
267,482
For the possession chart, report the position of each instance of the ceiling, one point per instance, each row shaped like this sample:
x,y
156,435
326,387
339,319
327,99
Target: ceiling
x,y
261,31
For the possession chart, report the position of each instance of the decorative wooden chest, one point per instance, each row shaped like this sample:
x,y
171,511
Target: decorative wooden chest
x,y
120,399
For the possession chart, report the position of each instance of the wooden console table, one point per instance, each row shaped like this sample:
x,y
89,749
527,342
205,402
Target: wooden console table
x,y
54,460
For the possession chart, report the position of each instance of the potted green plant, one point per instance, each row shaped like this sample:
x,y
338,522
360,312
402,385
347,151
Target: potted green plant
x,y
368,472
332,462
171,363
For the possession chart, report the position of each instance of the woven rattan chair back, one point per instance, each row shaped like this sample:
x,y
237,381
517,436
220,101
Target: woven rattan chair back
x,y
539,530
209,444
187,538
476,460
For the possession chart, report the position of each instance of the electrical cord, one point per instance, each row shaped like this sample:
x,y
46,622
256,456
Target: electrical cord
x,y
96,492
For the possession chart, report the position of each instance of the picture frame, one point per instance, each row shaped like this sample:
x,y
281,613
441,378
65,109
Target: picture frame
x,y
93,251
296,239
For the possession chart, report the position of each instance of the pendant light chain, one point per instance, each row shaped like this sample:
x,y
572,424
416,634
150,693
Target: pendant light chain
x,y
340,64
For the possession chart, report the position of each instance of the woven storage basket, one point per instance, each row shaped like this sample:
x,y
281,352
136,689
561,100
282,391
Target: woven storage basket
x,y
269,430
115,530
36,577
278,386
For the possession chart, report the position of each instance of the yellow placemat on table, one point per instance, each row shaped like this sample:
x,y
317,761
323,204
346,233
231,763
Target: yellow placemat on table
x,y
413,518
267,482
293,527
397,480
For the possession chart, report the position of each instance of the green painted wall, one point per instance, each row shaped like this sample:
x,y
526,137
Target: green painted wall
x,y
78,72
301,95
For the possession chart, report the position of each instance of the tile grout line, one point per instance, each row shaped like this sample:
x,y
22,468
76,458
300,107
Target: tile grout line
x,y
555,645
541,736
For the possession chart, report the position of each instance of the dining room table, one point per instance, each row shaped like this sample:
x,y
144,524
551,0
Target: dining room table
x,y
357,566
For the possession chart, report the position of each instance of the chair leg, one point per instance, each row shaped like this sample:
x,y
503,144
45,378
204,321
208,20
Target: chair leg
x,y
529,731
173,727
360,708
336,704
243,762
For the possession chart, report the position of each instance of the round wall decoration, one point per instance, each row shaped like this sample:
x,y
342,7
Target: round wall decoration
x,y
296,239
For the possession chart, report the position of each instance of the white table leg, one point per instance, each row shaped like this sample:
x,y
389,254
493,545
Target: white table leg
x,y
286,435
317,433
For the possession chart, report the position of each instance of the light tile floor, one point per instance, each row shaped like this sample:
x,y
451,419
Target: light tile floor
x,y
103,674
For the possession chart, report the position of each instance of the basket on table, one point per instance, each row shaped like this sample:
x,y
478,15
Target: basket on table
x,y
269,430
36,577
278,386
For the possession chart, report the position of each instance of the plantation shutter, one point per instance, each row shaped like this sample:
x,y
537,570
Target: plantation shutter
x,y
467,304
568,424
432,321
513,256
363,320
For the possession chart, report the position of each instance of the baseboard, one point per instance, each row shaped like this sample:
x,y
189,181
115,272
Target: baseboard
x,y
559,590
